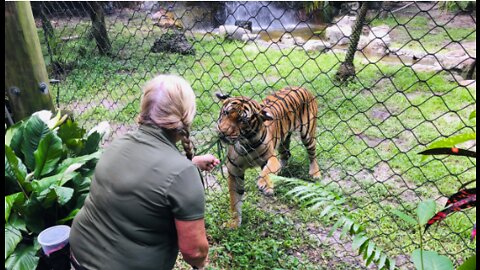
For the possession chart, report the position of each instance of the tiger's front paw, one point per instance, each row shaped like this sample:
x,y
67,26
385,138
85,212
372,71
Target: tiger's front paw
x,y
264,187
232,224
316,175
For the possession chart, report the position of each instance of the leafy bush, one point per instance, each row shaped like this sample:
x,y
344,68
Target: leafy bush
x,y
48,166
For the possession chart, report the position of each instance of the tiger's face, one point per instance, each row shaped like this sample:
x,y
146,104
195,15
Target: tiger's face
x,y
239,118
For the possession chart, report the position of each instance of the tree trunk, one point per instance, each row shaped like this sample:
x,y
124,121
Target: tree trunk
x,y
347,69
26,79
99,30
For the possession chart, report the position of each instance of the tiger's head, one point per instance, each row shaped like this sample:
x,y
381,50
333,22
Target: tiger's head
x,y
240,118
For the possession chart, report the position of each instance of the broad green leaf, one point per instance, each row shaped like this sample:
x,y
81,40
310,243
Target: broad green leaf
x,y
34,218
12,238
16,140
469,264
431,261
473,115
405,217
14,166
64,194
70,216
13,131
48,198
47,155
91,144
358,240
453,140
71,135
10,200
80,160
426,210
60,179
23,258
17,222
81,184
35,130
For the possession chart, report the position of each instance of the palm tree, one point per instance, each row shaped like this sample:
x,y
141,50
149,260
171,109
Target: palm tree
x,y
347,69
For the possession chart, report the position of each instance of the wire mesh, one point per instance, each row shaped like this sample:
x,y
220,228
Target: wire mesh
x,y
414,82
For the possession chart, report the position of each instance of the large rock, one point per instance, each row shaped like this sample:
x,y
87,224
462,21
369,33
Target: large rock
x,y
287,39
456,60
166,19
315,45
174,42
377,41
380,33
232,32
250,37
341,30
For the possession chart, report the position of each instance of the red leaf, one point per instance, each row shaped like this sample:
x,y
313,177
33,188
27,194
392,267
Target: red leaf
x,y
449,151
462,194
468,202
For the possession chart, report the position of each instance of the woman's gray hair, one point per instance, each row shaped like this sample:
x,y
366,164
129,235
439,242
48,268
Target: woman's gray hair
x,y
169,102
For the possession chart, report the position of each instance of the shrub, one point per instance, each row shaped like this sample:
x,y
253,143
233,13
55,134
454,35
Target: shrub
x,y
48,166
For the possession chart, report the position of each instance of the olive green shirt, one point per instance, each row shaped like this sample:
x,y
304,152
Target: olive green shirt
x,y
141,184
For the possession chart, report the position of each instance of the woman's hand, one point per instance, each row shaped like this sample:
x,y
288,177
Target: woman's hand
x,y
205,162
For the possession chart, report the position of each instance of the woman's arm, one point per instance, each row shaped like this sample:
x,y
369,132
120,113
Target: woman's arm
x,y
192,242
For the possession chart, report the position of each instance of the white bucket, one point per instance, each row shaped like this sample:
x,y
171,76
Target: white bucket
x,y
54,238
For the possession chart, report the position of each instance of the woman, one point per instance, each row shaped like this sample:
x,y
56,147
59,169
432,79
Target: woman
x,y
146,200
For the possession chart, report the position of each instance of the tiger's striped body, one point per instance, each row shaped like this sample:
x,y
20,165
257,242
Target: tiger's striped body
x,y
255,131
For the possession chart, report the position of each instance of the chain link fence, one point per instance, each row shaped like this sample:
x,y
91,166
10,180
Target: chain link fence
x,y
413,81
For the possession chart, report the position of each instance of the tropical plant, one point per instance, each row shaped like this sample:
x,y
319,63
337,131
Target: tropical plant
x,y
316,196
426,212
465,197
48,166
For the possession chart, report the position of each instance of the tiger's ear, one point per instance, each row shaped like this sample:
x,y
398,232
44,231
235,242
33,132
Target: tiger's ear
x,y
266,116
222,96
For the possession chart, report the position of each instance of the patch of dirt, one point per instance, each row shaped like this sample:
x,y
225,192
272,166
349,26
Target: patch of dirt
x,y
80,107
370,141
380,114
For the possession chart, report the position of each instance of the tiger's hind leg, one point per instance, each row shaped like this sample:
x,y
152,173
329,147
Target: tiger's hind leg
x,y
309,142
284,150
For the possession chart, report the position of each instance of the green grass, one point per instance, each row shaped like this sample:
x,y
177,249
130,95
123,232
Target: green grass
x,y
419,32
384,117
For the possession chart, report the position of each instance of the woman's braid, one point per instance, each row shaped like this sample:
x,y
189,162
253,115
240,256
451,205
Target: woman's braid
x,y
187,143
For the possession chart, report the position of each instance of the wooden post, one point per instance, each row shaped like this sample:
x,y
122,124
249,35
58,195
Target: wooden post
x,y
26,78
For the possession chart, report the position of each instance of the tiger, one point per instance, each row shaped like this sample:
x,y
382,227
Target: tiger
x,y
253,132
